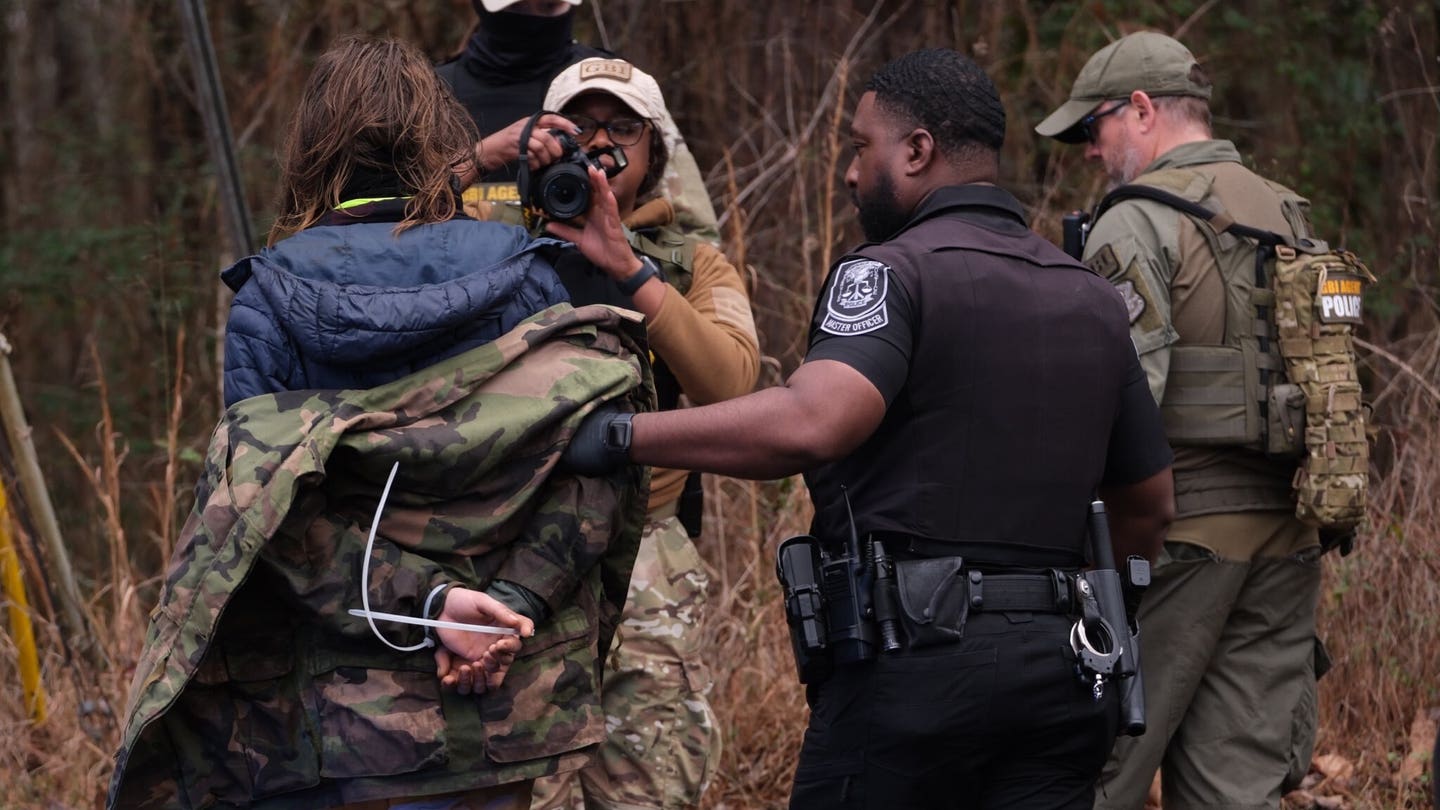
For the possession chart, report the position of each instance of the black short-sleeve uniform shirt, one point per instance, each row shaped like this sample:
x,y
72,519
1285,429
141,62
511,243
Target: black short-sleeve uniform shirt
x,y
1011,386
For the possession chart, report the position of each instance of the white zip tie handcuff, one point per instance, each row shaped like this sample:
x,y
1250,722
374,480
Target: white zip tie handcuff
x,y
371,616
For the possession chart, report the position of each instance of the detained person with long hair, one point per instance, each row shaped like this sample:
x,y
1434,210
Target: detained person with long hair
x,y
305,651
373,270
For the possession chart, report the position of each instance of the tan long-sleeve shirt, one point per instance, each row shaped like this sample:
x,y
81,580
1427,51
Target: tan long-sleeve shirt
x,y
706,336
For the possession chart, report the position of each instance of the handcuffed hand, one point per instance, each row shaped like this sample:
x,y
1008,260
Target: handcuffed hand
x,y
601,445
477,662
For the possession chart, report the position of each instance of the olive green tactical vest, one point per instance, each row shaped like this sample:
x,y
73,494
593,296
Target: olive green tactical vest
x,y
1285,380
671,249
1221,395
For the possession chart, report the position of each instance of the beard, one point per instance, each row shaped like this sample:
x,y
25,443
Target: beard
x,y
1126,166
879,211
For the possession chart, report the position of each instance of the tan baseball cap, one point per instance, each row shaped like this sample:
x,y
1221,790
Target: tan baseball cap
x,y
616,77
1145,60
493,6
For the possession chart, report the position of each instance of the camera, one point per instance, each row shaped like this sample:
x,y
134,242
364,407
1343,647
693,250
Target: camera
x,y
562,190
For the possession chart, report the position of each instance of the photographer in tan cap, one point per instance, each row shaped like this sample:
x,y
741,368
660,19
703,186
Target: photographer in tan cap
x,y
663,742
500,77
1228,623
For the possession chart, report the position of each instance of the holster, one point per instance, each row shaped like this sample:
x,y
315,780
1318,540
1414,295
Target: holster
x,y
934,600
797,566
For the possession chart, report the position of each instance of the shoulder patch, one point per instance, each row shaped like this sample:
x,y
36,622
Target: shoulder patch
x,y
855,302
1104,263
1134,304
1139,298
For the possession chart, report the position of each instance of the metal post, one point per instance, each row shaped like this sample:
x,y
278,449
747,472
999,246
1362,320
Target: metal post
x,y
211,97
32,488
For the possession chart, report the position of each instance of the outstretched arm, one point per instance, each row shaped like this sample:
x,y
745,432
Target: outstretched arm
x,y
824,411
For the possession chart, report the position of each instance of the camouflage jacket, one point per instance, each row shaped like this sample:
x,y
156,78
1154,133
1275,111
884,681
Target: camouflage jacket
x,y
257,688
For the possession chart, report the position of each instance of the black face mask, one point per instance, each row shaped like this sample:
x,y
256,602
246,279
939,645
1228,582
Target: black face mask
x,y
879,212
513,48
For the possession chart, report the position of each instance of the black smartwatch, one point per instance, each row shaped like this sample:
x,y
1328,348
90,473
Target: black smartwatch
x,y
648,270
617,436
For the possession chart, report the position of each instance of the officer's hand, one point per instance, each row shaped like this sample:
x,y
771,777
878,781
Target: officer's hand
x,y
601,445
500,149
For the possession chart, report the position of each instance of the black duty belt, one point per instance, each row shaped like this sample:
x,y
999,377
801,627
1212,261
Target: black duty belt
x,y
993,588
936,594
982,555
1049,592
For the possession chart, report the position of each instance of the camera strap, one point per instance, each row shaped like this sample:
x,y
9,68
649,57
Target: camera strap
x,y
522,172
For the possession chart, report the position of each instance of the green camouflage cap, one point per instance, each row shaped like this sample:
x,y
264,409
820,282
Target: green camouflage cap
x,y
1148,61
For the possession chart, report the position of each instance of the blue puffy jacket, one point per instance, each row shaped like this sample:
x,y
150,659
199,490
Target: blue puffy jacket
x,y
355,306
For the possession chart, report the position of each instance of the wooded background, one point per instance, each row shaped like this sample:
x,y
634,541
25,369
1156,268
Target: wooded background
x,y
112,242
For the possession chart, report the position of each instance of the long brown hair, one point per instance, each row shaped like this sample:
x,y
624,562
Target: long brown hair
x,y
372,106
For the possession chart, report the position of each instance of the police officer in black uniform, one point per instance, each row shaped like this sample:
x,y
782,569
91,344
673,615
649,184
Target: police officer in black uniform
x,y
967,389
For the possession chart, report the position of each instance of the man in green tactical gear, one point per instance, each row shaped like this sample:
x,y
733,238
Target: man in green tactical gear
x,y
1229,620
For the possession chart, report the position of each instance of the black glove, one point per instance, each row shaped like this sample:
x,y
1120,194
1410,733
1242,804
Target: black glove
x,y
601,444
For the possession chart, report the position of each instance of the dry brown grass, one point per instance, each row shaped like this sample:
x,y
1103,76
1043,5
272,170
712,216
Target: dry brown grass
x,y
1379,615
1380,608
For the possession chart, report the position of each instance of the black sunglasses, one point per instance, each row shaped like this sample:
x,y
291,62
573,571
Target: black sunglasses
x,y
622,131
1087,124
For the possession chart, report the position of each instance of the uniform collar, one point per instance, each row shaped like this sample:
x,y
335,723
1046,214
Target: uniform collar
x,y
979,203
1196,153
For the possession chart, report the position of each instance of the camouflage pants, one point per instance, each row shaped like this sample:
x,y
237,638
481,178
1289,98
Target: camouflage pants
x,y
663,741
1227,647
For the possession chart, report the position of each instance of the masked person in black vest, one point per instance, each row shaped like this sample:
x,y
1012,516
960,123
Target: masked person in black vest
x,y
967,389
501,78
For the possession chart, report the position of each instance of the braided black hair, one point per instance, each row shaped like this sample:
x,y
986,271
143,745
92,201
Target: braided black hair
x,y
947,94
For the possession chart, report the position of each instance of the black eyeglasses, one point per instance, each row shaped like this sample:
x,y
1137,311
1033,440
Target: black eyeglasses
x,y
1087,124
622,131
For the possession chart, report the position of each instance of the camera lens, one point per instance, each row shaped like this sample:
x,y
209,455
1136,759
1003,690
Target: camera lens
x,y
564,192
